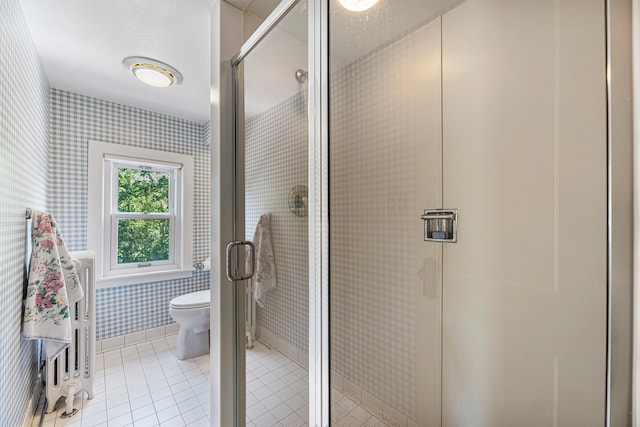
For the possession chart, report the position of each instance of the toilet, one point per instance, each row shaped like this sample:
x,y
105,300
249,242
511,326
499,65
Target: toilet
x,y
191,312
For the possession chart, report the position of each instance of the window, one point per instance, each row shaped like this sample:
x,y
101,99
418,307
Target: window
x,y
142,214
142,199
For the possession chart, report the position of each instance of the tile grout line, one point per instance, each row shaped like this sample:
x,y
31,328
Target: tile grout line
x,y
137,368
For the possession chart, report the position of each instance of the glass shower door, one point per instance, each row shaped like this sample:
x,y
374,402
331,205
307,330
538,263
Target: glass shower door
x,y
525,289
272,212
385,169
494,111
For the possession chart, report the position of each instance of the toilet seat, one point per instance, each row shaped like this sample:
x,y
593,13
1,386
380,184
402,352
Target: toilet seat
x,y
200,299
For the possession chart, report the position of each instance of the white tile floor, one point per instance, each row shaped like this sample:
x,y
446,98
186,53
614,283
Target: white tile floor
x,y
142,385
278,394
277,389
145,385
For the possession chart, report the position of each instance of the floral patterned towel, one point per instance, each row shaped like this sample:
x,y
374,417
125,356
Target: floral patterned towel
x,y
53,285
264,278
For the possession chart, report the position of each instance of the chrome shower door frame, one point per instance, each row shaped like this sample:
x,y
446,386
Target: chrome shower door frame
x,y
317,195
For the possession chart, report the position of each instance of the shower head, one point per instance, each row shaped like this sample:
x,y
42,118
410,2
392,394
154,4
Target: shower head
x,y
301,75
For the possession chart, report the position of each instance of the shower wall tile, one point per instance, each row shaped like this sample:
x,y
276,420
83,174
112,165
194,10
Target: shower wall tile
x,y
24,109
385,168
276,160
377,176
76,119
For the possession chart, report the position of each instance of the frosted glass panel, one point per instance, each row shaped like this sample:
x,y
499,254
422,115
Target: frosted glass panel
x,y
494,109
524,290
385,170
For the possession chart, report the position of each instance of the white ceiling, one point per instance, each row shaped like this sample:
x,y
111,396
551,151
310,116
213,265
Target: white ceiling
x,y
270,68
353,35
81,44
259,8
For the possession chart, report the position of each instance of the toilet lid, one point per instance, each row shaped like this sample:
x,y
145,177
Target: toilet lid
x,y
193,300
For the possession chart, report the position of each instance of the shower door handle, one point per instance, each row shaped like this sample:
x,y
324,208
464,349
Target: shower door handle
x,y
252,256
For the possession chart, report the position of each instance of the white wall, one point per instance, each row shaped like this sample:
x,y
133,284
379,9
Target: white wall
x,y
525,162
226,39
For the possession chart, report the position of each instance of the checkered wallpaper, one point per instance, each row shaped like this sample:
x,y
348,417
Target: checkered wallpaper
x,y
75,120
24,106
276,160
376,249
132,308
380,181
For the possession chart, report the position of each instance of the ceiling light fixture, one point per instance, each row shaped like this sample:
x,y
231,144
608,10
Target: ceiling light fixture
x,y
152,72
357,5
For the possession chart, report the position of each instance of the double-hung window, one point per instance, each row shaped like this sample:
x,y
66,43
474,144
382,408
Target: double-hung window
x,y
145,228
143,215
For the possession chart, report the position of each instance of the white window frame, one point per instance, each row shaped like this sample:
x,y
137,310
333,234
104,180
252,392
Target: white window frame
x,y
112,165
104,160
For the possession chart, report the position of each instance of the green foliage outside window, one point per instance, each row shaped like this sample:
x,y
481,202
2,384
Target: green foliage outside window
x,y
143,191
143,240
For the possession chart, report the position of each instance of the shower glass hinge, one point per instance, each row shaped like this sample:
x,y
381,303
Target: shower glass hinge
x,y
440,225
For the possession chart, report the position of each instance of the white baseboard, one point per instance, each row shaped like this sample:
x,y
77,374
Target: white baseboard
x,y
370,402
33,403
122,341
294,354
354,392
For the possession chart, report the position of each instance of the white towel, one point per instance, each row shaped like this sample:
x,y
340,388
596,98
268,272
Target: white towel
x,y
264,278
206,264
53,285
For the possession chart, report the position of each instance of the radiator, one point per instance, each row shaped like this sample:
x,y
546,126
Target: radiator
x,y
250,314
73,371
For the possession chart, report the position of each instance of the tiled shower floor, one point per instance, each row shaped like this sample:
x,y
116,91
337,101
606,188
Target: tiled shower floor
x,y
145,385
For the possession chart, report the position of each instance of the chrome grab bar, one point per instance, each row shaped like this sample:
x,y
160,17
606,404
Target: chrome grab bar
x,y
437,216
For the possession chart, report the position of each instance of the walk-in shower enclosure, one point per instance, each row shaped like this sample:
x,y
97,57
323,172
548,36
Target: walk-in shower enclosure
x,y
468,239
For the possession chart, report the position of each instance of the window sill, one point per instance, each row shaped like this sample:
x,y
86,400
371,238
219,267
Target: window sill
x,y
135,279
